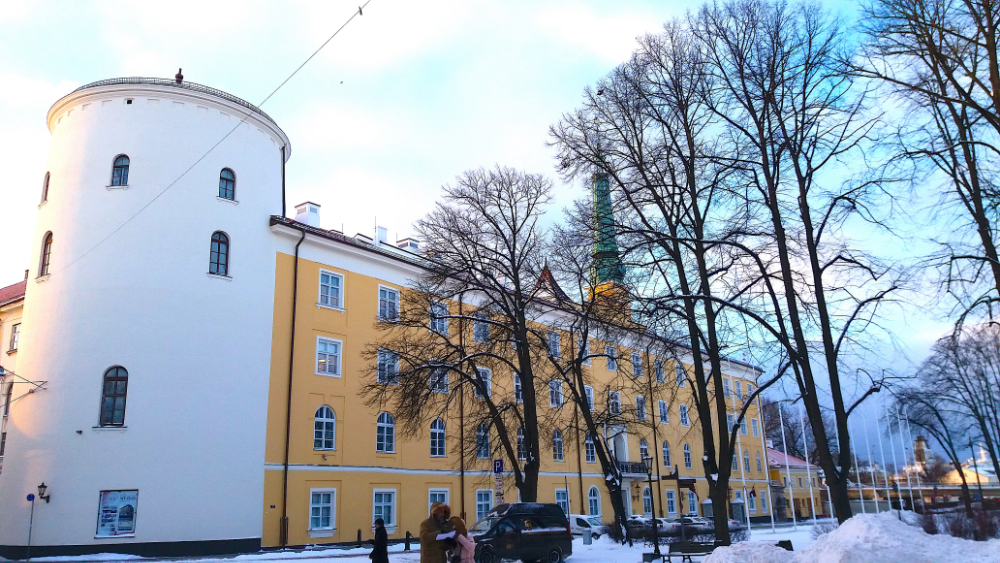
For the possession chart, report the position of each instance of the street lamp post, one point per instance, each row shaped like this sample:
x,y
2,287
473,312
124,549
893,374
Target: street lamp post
x,y
656,528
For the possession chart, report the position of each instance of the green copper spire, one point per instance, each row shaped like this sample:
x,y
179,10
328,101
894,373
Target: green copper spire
x,y
607,263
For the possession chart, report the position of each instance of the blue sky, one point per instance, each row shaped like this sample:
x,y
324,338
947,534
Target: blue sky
x,y
403,100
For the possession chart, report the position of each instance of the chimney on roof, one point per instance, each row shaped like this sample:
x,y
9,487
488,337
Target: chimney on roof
x,y
179,77
26,275
308,213
770,444
409,243
381,236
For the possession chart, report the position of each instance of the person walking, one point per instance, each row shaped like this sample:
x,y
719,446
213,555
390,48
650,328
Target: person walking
x,y
435,531
465,545
380,545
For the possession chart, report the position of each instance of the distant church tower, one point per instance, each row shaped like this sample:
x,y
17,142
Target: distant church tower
x,y
148,317
920,453
607,272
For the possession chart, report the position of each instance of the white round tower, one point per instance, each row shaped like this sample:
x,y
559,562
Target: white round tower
x,y
148,317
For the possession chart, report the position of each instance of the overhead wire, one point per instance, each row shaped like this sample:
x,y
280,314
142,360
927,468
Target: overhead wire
x,y
216,145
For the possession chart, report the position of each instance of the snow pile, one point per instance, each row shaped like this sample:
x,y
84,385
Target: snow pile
x,y
867,538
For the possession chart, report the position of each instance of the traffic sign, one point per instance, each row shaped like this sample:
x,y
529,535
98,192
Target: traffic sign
x,y
31,497
498,466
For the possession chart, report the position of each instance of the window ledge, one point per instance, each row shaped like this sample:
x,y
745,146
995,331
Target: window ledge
x,y
110,428
114,537
227,200
219,276
125,187
42,278
9,352
337,375
325,533
321,306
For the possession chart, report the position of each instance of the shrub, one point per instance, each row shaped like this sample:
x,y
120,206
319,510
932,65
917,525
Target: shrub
x,y
928,523
824,528
986,524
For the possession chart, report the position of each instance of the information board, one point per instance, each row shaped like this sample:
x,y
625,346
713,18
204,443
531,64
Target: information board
x,y
117,512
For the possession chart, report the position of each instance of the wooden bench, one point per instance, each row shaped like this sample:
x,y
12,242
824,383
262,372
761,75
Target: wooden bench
x,y
688,549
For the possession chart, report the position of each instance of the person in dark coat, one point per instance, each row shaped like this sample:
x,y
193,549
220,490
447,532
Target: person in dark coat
x,y
380,552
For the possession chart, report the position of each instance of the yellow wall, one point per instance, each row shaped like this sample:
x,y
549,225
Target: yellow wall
x,y
355,469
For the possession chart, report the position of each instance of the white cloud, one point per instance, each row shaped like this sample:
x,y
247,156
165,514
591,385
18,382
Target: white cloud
x,y
610,37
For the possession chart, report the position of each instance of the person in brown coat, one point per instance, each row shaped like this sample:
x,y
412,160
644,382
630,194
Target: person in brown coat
x,y
432,549
466,546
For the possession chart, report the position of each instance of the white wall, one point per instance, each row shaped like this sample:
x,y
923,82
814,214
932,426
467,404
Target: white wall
x,y
196,346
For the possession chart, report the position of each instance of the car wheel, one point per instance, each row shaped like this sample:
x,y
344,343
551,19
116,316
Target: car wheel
x,y
555,556
486,556
595,537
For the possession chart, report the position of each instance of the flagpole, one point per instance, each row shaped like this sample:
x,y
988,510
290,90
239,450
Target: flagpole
x,y
885,473
805,451
871,457
829,493
739,456
788,468
906,462
857,470
767,461
892,446
909,435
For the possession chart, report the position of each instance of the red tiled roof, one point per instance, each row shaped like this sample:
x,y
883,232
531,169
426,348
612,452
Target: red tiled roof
x,y
777,457
12,293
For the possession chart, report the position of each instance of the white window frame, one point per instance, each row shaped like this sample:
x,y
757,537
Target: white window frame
x,y
752,502
591,497
659,371
584,343
615,403
323,531
389,359
486,374
684,416
760,464
727,390
565,491
671,501
739,389
664,411
339,306
589,449
558,454
643,448
588,392
15,336
522,449
479,325
488,443
438,322
387,425
730,422
518,389
489,493
687,456
680,375
439,379
636,365
432,491
334,430
754,427
640,407
665,450
390,291
692,502
611,356
553,343
444,438
746,461
391,529
647,496
340,356
555,393
743,426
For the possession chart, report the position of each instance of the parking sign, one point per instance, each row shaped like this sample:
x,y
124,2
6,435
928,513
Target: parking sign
x,y
498,466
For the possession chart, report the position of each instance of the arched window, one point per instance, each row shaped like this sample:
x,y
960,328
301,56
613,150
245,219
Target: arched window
x,y
557,445
666,455
437,438
45,260
687,456
385,436
759,467
588,446
594,501
325,433
113,397
45,188
522,453
746,461
483,441
218,262
227,184
647,502
119,172
643,449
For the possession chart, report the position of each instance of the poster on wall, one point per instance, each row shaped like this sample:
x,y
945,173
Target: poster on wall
x,y
117,512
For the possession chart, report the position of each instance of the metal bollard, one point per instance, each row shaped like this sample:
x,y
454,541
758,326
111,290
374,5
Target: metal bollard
x,y
409,536
359,538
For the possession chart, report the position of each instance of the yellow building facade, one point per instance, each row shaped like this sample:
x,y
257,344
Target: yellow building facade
x,y
11,307
796,486
330,468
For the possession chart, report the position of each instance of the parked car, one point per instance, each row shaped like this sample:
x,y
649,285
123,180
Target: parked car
x,y
524,530
581,525
638,526
696,525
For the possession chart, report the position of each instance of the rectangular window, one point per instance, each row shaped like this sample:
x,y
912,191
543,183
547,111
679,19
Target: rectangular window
x,y
612,357
681,376
800,482
671,502
763,502
486,379
640,407
439,318
517,389
439,379
658,368
614,403
116,513
753,426
388,303
322,509
692,502
585,351
331,288
328,356
739,390
591,450
555,346
743,426
636,365
750,392
589,392
664,412
684,415
384,507
725,387
436,495
555,393
3,443
481,328
7,398
562,499
484,502
15,335
730,422
388,367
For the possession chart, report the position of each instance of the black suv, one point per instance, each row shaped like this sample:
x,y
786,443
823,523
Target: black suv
x,y
525,530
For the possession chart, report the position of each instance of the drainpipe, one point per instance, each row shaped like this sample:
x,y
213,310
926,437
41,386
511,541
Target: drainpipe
x,y
283,207
283,532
